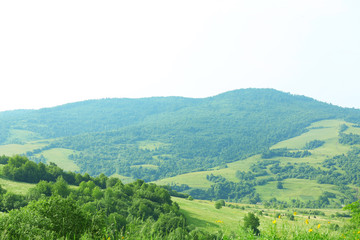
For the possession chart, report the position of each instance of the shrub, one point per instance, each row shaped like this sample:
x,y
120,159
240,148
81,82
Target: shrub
x,y
252,222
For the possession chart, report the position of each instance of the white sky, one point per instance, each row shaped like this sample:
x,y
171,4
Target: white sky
x,y
55,52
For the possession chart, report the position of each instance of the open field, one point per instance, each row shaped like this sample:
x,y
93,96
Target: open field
x,y
122,178
16,187
13,149
22,136
203,214
302,189
60,156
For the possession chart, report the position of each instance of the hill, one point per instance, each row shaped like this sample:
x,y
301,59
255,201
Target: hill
x,y
155,138
326,176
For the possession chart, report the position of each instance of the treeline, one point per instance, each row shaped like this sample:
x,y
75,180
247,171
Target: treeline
x,y
313,144
283,152
20,168
242,191
54,210
350,139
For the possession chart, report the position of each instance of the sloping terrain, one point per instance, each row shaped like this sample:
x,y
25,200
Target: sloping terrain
x,y
156,138
304,178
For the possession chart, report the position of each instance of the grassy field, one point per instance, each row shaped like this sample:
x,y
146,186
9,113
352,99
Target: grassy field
x,y
60,156
302,189
123,179
13,149
22,136
204,215
16,187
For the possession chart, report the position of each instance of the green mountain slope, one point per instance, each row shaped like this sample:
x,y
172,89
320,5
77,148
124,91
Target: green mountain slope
x,y
155,138
330,173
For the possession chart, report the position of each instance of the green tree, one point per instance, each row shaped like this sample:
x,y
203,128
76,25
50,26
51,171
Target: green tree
x,y
355,210
252,222
61,187
218,204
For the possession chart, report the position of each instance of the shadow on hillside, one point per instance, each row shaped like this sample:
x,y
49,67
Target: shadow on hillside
x,y
196,221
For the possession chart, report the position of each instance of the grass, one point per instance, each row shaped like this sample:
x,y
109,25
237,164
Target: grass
x,y
13,149
322,130
122,178
60,156
202,214
22,136
194,180
302,189
327,130
16,187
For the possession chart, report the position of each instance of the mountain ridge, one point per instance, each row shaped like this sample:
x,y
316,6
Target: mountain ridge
x,y
176,134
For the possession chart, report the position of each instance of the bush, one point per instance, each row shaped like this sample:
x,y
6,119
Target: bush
x,y
252,222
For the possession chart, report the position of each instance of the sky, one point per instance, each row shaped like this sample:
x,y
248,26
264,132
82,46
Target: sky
x,y
56,52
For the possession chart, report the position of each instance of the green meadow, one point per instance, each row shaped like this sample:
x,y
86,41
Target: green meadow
x,y
302,189
13,149
60,156
202,214
15,187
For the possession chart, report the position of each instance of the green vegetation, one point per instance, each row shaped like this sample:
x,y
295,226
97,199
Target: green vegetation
x,y
331,168
107,208
172,135
252,146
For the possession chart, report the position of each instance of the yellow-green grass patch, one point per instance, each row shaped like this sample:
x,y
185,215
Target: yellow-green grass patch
x,y
22,136
322,130
302,189
198,179
204,215
16,187
13,149
60,156
194,180
353,130
123,179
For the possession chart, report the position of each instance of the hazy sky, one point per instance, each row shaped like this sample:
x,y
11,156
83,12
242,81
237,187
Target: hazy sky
x,y
55,52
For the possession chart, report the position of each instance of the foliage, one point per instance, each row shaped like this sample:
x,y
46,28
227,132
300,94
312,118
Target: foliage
x,y
350,139
279,185
20,168
172,135
313,144
252,222
281,152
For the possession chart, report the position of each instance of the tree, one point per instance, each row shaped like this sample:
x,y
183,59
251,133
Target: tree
x,y
61,187
280,185
355,210
218,204
252,222
66,218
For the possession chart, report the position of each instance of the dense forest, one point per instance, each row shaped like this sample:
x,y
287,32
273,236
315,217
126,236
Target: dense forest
x,y
154,138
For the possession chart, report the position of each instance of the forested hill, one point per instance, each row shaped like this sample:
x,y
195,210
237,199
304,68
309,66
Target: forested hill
x,y
152,138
